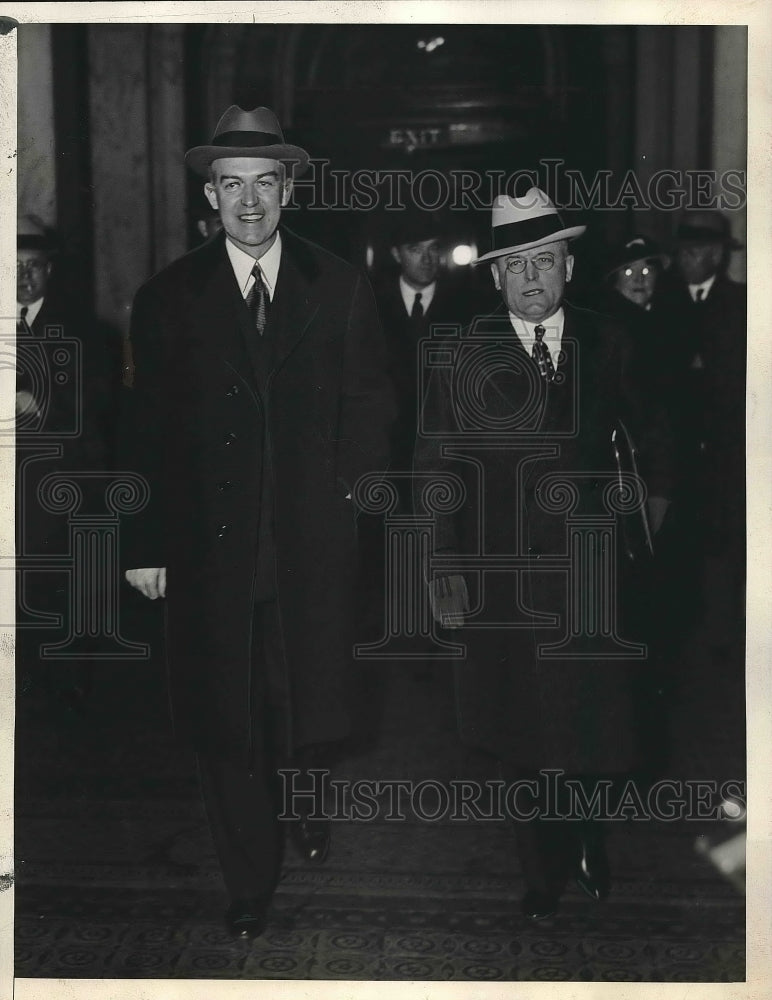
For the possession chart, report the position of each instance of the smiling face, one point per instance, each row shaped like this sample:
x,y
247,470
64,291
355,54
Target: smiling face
x,y
33,269
249,193
637,281
536,293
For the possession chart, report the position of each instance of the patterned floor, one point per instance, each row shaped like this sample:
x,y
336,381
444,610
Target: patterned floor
x,y
116,876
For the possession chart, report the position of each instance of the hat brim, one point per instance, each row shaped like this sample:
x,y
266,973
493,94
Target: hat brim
x,y
662,258
200,158
562,234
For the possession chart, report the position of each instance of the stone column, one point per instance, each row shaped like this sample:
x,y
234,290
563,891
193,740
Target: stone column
x,y
36,145
730,121
137,127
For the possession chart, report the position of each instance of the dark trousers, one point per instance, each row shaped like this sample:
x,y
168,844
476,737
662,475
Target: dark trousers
x,y
548,848
242,799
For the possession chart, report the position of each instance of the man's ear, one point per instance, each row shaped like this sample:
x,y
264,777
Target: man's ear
x,y
569,266
495,273
287,191
395,255
211,195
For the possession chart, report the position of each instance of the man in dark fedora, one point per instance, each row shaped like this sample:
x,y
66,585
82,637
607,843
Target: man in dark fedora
x,y
416,295
259,398
67,375
707,310
524,409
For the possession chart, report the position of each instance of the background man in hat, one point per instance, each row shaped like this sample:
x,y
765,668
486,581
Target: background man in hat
x,y
418,294
67,374
549,386
707,312
259,398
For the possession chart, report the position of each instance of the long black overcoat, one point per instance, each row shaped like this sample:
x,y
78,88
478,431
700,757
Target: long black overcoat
x,y
489,419
200,430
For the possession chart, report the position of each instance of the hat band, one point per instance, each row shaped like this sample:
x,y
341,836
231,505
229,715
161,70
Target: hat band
x,y
527,231
236,139
701,233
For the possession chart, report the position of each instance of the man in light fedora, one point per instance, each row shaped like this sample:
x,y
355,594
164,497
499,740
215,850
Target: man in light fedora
x,y
259,398
534,394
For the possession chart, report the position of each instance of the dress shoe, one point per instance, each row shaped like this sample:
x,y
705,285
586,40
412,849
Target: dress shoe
x,y
592,871
539,905
311,838
245,918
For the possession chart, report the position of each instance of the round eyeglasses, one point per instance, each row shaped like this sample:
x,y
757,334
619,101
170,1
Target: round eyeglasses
x,y
542,262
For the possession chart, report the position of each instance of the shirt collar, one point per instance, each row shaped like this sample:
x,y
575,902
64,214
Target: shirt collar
x,y
32,310
409,294
705,286
242,264
553,327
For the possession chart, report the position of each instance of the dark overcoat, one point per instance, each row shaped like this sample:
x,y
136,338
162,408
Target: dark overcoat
x,y
209,428
490,420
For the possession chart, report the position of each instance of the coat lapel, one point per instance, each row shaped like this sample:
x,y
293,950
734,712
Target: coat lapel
x,y
296,299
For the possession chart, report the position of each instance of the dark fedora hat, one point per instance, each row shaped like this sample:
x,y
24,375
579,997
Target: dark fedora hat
x,y
706,226
32,234
637,248
412,225
247,133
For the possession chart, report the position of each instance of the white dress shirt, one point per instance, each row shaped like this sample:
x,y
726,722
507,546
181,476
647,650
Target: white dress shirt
x,y
242,265
553,333
705,286
409,294
32,310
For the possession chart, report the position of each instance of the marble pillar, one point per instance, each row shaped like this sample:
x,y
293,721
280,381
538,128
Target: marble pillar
x,y
35,128
136,108
730,122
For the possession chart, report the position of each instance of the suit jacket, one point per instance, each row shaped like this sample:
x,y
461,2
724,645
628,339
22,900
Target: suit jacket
x,y
243,448
493,422
453,304
714,402
68,367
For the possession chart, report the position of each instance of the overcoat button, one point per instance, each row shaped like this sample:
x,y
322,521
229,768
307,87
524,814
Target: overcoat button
x,y
222,531
225,485
230,437
233,391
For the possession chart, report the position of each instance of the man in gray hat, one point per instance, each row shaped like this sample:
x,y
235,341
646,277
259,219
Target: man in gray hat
x,y
525,409
259,398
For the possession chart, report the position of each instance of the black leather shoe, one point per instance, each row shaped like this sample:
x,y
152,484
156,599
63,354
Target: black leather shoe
x,y
592,871
539,905
245,918
311,838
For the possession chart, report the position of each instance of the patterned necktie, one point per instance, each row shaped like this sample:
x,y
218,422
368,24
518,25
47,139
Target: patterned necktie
x,y
258,301
541,355
417,313
699,295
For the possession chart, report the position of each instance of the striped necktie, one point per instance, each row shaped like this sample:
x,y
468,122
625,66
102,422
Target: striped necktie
x,y
258,301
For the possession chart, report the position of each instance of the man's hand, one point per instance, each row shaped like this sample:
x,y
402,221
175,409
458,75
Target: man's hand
x,y
657,507
26,403
150,582
449,600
